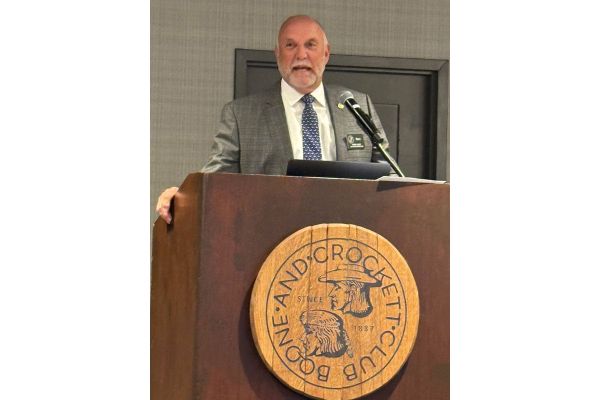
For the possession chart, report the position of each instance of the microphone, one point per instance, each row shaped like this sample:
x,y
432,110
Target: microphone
x,y
363,118
369,127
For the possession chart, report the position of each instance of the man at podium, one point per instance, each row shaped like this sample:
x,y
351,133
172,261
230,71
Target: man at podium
x,y
299,118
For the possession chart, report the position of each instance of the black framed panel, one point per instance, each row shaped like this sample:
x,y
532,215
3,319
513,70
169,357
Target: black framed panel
x,y
410,95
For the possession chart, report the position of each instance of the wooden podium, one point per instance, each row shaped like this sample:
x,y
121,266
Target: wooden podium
x,y
225,225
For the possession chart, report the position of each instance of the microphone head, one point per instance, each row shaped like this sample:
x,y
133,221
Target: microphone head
x,y
345,96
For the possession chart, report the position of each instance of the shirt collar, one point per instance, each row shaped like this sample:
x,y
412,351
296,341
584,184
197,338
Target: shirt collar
x,y
291,96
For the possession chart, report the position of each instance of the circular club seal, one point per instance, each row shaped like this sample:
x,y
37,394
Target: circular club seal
x,y
334,311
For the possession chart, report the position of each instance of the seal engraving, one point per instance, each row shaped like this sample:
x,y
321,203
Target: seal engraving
x,y
324,334
350,291
334,311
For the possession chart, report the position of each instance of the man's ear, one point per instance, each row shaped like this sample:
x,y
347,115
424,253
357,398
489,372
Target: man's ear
x,y
276,51
327,51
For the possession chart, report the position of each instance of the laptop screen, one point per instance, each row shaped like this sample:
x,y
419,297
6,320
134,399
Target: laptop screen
x,y
337,169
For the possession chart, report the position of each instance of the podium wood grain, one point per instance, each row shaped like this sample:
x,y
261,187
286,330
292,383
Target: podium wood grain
x,y
225,225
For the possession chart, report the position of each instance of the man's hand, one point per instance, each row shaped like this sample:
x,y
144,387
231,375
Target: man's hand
x,y
164,203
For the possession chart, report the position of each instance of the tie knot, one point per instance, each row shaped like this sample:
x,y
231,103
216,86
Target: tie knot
x,y
308,98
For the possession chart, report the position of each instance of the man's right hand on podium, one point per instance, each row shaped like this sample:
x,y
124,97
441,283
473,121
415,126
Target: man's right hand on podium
x,y
164,203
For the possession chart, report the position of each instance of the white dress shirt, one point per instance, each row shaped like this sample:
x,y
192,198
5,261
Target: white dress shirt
x,y
293,114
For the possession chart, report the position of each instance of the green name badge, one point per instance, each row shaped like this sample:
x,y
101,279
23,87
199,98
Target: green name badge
x,y
355,141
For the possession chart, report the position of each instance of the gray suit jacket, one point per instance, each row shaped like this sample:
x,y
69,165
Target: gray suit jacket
x,y
253,138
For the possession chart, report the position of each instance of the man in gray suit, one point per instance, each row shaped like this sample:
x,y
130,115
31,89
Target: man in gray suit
x,y
300,118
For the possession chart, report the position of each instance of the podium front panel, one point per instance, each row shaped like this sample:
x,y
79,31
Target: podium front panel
x,y
225,225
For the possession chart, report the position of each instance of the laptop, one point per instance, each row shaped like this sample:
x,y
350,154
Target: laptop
x,y
337,169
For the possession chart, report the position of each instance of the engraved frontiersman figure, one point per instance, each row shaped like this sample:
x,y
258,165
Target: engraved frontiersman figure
x,y
350,290
324,334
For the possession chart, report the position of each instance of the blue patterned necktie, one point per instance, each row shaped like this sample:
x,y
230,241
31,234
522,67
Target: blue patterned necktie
x,y
311,145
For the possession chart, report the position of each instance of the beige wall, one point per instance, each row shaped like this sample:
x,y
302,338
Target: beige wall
x,y
192,59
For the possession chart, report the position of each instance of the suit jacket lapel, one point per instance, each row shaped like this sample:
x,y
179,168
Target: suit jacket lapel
x,y
277,122
341,120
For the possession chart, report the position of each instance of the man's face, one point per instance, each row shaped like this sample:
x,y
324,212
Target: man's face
x,y
310,342
302,54
339,295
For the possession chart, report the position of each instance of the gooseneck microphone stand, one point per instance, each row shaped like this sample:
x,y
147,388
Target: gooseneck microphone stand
x,y
369,127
